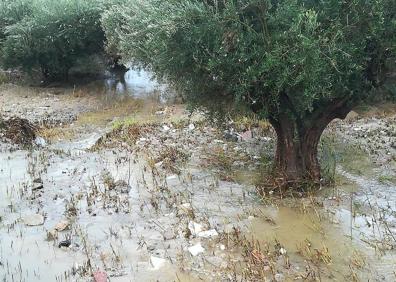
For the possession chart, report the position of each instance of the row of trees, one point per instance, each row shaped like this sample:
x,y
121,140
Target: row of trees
x,y
50,35
298,63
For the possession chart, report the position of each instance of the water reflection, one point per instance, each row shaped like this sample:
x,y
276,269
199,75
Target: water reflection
x,y
137,83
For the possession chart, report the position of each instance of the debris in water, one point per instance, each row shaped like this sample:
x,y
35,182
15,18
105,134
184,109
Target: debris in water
x,y
65,243
208,233
195,228
62,225
196,249
40,141
33,220
157,262
100,276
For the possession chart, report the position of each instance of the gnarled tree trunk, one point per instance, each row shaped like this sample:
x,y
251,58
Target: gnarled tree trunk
x,y
296,157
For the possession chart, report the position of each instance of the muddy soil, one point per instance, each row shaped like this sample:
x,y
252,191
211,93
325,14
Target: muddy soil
x,y
144,191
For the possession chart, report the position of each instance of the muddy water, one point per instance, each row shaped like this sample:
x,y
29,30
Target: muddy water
x,y
122,234
136,83
358,245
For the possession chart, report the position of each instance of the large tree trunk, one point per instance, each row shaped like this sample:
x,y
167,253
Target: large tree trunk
x,y
296,158
296,152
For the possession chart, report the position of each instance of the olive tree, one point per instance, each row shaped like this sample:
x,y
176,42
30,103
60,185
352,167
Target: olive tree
x,y
49,35
298,63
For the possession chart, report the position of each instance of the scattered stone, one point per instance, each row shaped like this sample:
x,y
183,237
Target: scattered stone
x,y
52,235
62,225
165,128
208,233
40,141
191,127
65,243
196,249
100,276
34,220
37,186
282,251
172,177
157,262
195,228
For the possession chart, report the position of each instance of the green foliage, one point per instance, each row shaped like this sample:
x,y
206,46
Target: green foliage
x,y
51,35
257,51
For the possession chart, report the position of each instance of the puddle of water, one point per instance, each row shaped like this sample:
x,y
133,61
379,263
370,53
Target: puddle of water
x,y
135,83
293,228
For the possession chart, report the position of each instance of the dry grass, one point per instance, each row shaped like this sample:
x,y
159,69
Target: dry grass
x,y
123,108
52,134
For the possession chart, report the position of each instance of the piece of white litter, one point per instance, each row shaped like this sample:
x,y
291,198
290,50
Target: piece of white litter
x,y
171,177
165,128
222,247
33,220
157,262
191,126
195,228
208,233
40,141
196,249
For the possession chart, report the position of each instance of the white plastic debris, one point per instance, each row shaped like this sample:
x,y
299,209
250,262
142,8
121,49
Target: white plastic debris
x,y
282,251
172,177
165,128
208,233
62,225
40,141
157,262
33,220
196,249
195,228
191,127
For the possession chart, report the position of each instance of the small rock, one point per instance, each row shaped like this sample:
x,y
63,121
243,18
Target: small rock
x,y
172,177
100,276
52,235
196,249
62,225
157,262
37,186
33,220
195,228
165,128
246,136
39,141
208,234
191,127
65,243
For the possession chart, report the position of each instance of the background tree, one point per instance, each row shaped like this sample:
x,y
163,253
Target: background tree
x,y
50,35
300,64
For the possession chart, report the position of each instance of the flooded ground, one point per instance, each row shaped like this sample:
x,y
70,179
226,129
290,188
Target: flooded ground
x,y
138,189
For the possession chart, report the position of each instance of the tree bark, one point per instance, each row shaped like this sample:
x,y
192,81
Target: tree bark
x,y
296,157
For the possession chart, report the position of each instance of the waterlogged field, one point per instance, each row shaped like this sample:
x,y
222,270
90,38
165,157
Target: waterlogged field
x,y
136,189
